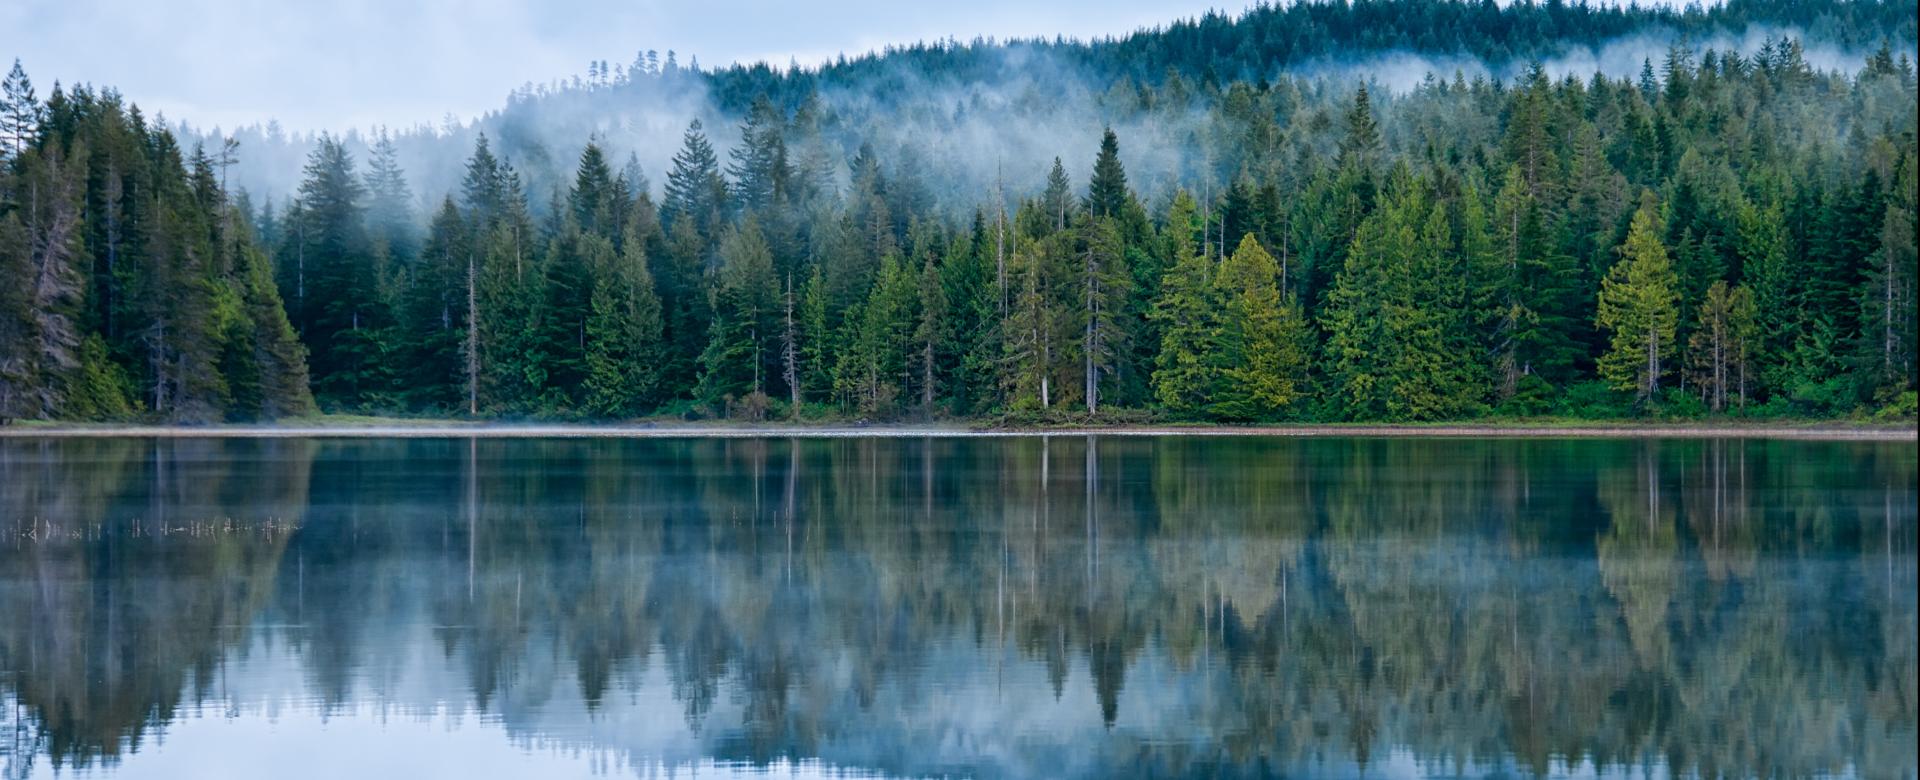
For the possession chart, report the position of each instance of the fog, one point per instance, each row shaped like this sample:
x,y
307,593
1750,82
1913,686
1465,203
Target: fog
x,y
360,63
973,138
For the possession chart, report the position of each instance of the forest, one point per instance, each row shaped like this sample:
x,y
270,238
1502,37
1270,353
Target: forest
x,y
1726,232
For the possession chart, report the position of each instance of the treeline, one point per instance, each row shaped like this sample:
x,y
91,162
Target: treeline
x,y
978,113
1217,48
131,284
1686,242
1722,234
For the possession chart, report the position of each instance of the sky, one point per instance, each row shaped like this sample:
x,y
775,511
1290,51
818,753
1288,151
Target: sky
x,y
339,64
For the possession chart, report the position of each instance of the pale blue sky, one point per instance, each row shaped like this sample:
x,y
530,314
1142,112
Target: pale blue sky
x,y
354,63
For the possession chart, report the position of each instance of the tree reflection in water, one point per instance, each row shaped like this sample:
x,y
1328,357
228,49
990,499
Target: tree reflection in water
x,y
1236,606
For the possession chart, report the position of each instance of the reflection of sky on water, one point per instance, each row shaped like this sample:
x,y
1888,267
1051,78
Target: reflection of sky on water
x,y
265,723
1340,609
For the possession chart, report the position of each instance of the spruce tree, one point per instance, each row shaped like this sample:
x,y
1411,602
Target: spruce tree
x,y
1032,341
1397,320
930,332
595,201
1107,193
434,310
51,214
1189,313
1261,360
1639,307
758,164
695,192
1362,145
816,338
390,202
17,386
1103,283
878,363
1721,343
20,113
623,333
1057,200
745,333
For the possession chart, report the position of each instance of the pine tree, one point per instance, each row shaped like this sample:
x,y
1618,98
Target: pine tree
x,y
1362,146
695,193
181,313
20,113
1107,194
1639,306
1104,286
623,335
18,387
744,336
1762,247
1887,299
790,349
1397,319
1530,291
876,362
275,351
565,305
930,331
1189,311
1722,343
595,201
506,299
759,163
972,324
484,189
816,337
1261,360
1057,200
52,207
341,314
435,313
1032,342
390,202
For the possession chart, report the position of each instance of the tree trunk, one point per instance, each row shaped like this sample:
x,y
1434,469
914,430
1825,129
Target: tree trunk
x,y
790,356
1653,363
473,338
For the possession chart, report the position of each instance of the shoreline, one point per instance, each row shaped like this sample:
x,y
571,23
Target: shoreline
x,y
425,429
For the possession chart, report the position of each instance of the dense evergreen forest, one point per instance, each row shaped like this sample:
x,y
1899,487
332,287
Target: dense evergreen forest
x,y
1725,232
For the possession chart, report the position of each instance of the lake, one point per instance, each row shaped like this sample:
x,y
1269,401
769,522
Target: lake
x,y
1062,606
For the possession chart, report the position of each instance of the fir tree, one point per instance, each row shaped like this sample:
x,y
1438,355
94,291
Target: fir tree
x,y
1107,193
1397,319
20,113
695,193
930,331
1261,360
1189,312
1639,306
745,320
623,335
389,202
1722,343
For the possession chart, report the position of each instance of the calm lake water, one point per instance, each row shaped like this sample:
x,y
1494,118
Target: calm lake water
x,y
1067,606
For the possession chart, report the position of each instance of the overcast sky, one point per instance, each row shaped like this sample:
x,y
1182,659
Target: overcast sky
x,y
333,64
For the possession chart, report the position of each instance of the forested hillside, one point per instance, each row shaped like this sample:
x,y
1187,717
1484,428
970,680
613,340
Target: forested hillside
x,y
1725,231
131,282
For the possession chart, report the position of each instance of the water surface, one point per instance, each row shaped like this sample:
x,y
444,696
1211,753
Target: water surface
x,y
1006,607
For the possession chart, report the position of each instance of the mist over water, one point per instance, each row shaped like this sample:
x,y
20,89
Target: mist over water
x,y
1064,606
